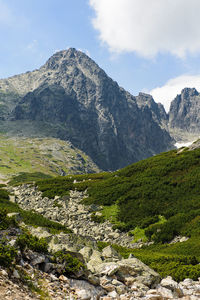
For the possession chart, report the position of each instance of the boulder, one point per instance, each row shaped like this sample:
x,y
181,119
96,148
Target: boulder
x,y
110,253
129,268
172,285
95,261
86,252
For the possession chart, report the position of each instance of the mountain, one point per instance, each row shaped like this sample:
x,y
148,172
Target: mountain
x,y
70,97
184,115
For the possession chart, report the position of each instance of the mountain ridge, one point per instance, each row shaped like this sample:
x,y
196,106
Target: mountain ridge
x,y
73,97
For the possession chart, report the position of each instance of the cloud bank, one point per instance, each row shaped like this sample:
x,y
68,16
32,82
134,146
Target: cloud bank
x,y
148,27
166,93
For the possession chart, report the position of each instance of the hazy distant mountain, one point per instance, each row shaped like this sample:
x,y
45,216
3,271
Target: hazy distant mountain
x,y
72,98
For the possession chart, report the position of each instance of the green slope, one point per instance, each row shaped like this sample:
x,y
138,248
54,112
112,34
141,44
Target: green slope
x,y
157,198
164,185
46,155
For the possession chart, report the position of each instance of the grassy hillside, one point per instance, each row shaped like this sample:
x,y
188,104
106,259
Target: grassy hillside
x,y
165,185
46,155
155,199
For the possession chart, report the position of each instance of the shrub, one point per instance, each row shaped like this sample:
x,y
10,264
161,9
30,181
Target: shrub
x,y
6,222
97,219
26,240
72,264
7,255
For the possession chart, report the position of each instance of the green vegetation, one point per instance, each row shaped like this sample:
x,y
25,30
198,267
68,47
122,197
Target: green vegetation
x,y
72,265
26,240
7,255
166,184
154,199
6,222
62,185
46,155
27,178
28,217
178,260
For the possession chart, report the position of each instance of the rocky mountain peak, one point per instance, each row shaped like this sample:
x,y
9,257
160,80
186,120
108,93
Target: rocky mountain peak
x,y
73,97
186,93
157,109
73,62
184,114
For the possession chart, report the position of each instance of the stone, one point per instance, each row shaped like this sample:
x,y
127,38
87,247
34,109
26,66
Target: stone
x,y
16,274
154,297
95,261
3,272
15,215
83,294
53,277
121,289
134,267
113,294
166,293
172,285
109,252
38,259
86,252
64,279
107,268
12,198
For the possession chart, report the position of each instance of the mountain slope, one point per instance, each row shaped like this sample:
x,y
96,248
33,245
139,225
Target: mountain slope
x,y
47,155
166,184
76,99
156,200
184,115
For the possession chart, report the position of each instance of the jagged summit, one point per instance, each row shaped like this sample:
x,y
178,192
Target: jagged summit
x,y
76,100
184,112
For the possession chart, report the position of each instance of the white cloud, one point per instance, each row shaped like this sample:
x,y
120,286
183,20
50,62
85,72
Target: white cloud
x,y
148,27
166,93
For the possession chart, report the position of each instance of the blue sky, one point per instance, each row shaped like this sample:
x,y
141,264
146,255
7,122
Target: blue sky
x,y
144,45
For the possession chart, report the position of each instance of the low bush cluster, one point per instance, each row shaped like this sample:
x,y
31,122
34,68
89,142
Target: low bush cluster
x,y
26,240
72,265
7,255
6,222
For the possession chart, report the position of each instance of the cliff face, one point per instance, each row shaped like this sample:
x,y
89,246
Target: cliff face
x,y
185,110
76,99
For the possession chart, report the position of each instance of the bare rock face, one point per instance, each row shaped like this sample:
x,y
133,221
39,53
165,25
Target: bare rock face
x,y
184,113
75,98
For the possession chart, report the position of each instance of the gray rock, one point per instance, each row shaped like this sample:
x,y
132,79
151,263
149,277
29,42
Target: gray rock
x,y
172,285
16,274
86,252
80,103
110,253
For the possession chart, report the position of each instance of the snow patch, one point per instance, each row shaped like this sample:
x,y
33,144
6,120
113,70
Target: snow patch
x,y
184,144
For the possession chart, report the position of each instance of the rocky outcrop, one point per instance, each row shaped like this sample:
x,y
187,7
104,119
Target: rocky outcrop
x,y
75,99
110,278
184,115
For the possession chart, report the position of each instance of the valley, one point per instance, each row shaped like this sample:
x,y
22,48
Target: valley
x,y
96,201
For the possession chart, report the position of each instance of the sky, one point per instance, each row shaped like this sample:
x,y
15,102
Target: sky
x,y
150,46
